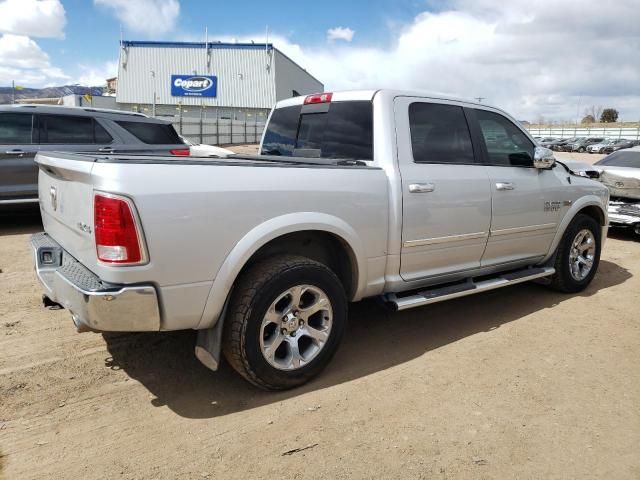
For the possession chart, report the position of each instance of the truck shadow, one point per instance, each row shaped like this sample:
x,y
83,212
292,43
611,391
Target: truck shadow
x,y
375,340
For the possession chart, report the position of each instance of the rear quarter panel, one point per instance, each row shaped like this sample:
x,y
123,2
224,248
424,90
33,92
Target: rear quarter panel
x,y
195,216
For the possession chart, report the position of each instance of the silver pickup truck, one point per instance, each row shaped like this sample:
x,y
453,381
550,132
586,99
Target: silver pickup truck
x,y
411,198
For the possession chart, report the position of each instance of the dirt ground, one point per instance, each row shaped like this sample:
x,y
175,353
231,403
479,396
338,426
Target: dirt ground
x,y
517,383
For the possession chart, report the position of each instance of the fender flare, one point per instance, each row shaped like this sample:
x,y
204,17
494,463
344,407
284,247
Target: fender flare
x,y
586,201
267,231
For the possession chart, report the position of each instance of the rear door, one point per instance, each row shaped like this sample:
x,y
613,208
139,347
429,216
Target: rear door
x,y
526,204
446,196
73,133
18,148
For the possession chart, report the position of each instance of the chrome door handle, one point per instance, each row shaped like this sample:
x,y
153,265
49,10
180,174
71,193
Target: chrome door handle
x,y
16,151
421,187
106,149
505,186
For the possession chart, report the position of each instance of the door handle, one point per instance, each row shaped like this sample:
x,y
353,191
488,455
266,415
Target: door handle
x,y
15,151
421,187
505,186
106,149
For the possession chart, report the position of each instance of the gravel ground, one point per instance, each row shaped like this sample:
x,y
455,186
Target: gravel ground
x,y
517,383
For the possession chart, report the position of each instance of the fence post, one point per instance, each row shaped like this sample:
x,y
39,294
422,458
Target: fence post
x,y
231,130
201,119
217,129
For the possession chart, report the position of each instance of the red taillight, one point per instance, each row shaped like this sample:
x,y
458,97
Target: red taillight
x,y
318,98
116,234
182,152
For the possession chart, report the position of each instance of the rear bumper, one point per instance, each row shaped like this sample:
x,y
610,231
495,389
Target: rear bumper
x,y
624,214
93,303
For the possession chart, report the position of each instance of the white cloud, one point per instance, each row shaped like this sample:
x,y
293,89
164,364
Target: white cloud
x,y
149,17
96,75
530,58
340,33
35,18
23,61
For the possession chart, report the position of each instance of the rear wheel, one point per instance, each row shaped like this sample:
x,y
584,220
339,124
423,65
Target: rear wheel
x,y
285,321
578,255
581,150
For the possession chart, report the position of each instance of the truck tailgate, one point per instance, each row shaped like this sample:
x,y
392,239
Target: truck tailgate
x,y
66,202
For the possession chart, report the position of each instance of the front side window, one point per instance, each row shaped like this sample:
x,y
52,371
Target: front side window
x,y
439,134
506,144
15,128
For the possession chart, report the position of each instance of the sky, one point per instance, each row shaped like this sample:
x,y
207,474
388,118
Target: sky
x,y
542,59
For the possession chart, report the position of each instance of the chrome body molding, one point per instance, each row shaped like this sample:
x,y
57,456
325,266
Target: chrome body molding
x,y
450,238
94,304
528,228
14,201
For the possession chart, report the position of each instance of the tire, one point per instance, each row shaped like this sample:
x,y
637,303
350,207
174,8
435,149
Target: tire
x,y
581,150
270,286
567,279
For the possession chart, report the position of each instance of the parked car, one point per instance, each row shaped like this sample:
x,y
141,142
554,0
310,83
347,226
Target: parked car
x,y
620,172
261,253
546,141
26,130
202,150
620,145
581,145
559,143
599,147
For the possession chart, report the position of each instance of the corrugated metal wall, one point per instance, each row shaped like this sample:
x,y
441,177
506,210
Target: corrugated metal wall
x,y
290,76
243,77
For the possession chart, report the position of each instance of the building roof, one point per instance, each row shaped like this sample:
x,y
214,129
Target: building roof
x,y
211,45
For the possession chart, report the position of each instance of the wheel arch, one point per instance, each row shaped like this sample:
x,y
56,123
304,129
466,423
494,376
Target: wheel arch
x,y
316,235
591,206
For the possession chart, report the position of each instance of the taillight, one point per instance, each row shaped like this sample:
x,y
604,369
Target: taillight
x,y
318,98
116,232
182,152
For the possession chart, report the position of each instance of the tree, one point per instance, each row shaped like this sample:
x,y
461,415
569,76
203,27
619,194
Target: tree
x,y
588,119
609,115
593,111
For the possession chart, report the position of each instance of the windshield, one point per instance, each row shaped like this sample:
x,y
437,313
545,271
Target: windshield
x,y
621,159
345,131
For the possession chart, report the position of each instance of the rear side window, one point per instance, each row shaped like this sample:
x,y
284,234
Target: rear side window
x,y
152,133
506,144
15,128
71,130
439,134
344,131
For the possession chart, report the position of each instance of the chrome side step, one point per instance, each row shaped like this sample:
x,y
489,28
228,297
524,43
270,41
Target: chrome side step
x,y
440,294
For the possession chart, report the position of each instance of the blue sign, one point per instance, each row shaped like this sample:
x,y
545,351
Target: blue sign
x,y
194,86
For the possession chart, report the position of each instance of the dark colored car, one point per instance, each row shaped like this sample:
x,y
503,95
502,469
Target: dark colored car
x,y
26,130
581,144
559,144
620,145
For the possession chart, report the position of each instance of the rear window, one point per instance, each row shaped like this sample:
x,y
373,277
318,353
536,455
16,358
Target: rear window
x,y
345,131
152,133
15,128
621,159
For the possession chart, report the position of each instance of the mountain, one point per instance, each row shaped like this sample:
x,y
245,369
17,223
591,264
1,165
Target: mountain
x,y
48,92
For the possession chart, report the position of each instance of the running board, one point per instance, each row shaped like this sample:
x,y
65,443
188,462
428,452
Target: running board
x,y
440,294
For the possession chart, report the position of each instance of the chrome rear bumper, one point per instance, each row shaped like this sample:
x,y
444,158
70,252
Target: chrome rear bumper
x,y
93,303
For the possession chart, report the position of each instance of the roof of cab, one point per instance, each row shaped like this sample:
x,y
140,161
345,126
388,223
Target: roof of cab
x,y
351,95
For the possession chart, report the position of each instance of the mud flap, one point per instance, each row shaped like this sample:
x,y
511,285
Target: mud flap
x,y
209,342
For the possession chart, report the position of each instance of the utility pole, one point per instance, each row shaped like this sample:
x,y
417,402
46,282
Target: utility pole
x,y
153,110
13,92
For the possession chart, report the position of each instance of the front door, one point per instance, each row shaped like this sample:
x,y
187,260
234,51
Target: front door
x,y
446,197
18,148
526,201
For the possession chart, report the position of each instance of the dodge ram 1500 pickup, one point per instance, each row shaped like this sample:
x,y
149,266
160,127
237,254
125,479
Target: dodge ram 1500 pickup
x,y
413,198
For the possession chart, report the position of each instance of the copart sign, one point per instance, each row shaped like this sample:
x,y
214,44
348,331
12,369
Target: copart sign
x,y
193,86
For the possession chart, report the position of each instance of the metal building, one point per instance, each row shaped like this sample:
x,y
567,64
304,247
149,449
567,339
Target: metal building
x,y
235,81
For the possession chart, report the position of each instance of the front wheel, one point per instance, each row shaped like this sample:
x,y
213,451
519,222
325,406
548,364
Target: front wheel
x,y
581,150
578,255
285,321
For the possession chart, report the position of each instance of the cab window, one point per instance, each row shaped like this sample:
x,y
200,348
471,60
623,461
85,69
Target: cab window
x,y
15,128
506,144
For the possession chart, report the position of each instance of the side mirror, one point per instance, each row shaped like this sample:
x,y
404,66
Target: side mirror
x,y
543,158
